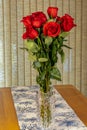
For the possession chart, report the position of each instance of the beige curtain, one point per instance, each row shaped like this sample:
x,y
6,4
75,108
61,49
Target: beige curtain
x,y
15,69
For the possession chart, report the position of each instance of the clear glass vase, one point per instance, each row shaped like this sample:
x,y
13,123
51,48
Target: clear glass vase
x,y
46,109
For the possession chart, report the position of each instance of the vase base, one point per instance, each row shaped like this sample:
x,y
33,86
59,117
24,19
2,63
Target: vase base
x,y
46,110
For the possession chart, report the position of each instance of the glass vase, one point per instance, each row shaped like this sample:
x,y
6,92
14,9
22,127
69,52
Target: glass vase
x,y
46,109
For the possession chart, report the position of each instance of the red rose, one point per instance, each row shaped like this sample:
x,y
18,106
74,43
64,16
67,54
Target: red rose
x,y
52,12
27,20
36,23
67,23
25,35
38,19
30,33
51,29
58,19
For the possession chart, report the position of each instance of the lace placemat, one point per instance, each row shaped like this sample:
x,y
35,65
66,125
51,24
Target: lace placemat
x,y
26,105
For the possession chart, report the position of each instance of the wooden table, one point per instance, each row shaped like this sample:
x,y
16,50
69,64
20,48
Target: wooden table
x,y
8,117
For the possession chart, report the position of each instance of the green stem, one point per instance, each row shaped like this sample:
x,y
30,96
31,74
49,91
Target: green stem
x,y
47,83
39,41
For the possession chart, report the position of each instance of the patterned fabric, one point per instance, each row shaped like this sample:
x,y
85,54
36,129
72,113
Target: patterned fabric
x,y
26,105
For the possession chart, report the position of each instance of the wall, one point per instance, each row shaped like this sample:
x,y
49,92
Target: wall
x,y
15,69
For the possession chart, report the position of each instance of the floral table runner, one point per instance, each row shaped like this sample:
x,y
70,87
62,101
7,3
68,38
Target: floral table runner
x,y
26,105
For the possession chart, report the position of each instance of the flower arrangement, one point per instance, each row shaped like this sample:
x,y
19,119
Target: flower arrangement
x,y
44,41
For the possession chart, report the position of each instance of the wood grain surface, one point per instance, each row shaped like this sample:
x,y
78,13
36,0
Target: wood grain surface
x,y
75,99
8,118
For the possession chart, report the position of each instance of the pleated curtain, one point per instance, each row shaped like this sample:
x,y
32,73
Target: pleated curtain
x,y
16,69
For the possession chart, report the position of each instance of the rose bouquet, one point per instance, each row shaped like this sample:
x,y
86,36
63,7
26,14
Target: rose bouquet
x,y
44,41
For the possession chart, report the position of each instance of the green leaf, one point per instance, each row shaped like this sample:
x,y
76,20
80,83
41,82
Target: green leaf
x,y
66,46
31,57
55,74
24,48
51,20
60,41
37,64
42,59
54,54
48,40
62,56
31,46
42,76
64,34
40,79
